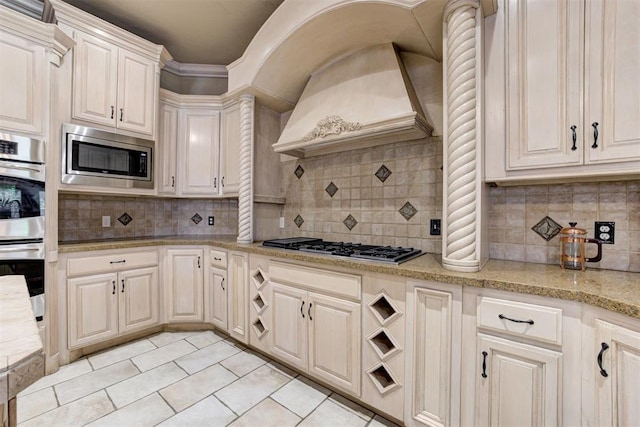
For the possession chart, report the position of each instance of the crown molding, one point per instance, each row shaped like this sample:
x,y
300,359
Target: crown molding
x,y
196,70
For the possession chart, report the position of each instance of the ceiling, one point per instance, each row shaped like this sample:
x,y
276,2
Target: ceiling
x,y
213,32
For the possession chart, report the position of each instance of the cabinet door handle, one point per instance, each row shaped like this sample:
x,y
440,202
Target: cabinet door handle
x,y
595,134
198,262
121,114
484,364
222,284
501,316
217,259
215,182
113,292
118,262
604,348
122,285
309,311
301,311
574,137
222,181
112,111
173,181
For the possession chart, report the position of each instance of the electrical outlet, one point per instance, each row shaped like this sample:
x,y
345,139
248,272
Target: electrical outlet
x,y
281,222
434,227
210,220
106,221
605,231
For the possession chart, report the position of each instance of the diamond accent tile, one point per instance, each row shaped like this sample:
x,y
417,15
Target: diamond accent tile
x,y
350,222
125,219
299,221
299,171
196,219
407,211
547,228
331,189
383,173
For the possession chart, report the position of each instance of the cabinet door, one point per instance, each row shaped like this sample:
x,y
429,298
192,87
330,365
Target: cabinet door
x,y
184,281
522,387
230,151
95,80
334,341
617,393
92,306
137,93
167,148
238,296
289,321
138,305
544,83
612,84
217,304
21,84
200,143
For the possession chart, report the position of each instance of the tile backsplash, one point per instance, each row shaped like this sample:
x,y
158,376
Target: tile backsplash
x,y
383,195
80,217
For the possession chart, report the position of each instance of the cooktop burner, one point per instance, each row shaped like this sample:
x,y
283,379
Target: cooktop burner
x,y
387,254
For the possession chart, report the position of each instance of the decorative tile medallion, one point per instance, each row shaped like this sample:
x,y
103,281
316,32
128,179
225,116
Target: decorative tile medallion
x,y
299,171
299,221
547,228
350,222
196,219
125,219
383,173
407,211
331,189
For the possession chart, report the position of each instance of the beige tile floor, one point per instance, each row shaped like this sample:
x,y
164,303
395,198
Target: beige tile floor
x,y
184,379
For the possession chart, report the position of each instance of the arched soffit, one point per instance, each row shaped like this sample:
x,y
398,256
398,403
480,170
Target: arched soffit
x,y
303,36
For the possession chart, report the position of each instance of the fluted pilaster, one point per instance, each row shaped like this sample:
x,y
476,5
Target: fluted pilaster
x,y
245,193
462,136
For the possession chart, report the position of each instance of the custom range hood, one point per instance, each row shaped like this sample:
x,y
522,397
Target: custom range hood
x,y
362,100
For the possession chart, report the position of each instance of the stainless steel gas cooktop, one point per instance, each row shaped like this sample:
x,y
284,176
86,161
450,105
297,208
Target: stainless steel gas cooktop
x,y
386,254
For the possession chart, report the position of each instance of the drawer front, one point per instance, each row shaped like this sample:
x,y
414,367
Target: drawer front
x,y
332,282
218,259
113,262
520,319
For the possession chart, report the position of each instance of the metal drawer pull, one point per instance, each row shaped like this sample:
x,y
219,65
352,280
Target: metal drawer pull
x,y
595,134
217,259
112,111
309,311
530,322
484,364
121,114
118,262
113,292
222,284
574,138
122,285
604,347
301,307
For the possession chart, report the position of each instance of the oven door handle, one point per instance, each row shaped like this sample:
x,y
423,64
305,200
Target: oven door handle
x,y
19,167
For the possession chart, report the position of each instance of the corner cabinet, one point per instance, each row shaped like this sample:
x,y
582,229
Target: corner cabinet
x,y
317,333
184,284
572,96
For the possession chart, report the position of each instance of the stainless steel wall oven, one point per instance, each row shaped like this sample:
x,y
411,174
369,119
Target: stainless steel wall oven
x,y
22,213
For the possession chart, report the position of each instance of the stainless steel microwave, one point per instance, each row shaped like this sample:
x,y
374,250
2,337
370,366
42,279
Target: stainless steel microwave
x,y
98,158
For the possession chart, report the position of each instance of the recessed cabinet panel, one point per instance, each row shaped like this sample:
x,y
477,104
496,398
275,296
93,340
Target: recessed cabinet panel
x,y
138,290
136,94
289,324
184,282
230,150
167,146
200,133
93,310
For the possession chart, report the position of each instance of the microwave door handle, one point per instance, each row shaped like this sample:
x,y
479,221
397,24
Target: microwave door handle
x,y
19,167
17,249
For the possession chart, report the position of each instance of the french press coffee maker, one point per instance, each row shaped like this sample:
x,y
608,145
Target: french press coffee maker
x,y
573,241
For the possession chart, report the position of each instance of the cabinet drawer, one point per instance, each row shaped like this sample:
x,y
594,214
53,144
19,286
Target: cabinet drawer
x,y
520,319
114,262
341,284
218,259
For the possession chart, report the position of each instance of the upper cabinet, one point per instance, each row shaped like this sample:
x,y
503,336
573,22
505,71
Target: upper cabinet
x,y
568,71
116,75
113,87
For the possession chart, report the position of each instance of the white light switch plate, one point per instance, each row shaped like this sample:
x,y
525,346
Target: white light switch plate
x,y
106,221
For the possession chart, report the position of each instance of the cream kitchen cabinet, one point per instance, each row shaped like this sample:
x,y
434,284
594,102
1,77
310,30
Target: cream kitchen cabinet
x,y
432,392
199,149
184,284
166,169
113,86
315,332
230,150
572,94
260,331
238,296
110,295
611,365
216,303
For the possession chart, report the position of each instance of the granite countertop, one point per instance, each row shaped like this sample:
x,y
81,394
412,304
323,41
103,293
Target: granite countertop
x,y
21,351
612,290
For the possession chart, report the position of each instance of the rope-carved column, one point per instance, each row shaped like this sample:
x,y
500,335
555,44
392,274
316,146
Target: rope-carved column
x,y
462,150
245,193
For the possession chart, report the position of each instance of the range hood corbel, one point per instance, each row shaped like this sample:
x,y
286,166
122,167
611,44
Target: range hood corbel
x,y
364,99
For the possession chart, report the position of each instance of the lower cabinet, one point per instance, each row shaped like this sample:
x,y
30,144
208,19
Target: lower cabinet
x,y
317,333
238,296
105,299
184,284
216,291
